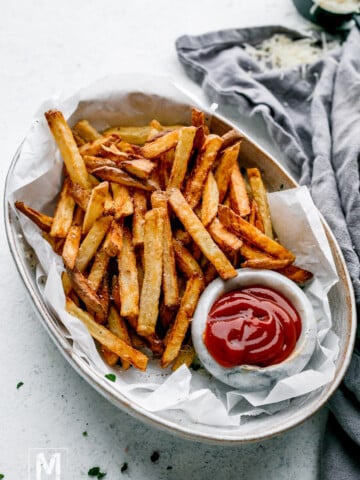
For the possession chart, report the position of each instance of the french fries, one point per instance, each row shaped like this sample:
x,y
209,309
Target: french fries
x,y
145,219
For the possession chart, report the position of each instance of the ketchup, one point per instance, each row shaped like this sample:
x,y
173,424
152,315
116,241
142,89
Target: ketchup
x,y
251,326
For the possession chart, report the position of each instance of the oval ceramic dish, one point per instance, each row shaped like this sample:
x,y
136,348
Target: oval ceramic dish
x,y
176,422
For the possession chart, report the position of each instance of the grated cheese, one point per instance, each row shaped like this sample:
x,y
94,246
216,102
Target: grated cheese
x,y
338,6
280,51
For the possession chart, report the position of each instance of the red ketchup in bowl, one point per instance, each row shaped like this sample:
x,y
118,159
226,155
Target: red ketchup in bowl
x,y
251,326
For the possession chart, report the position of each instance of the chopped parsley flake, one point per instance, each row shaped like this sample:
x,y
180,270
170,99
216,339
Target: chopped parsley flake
x,y
85,434
282,186
155,457
124,467
96,472
111,377
2,476
20,384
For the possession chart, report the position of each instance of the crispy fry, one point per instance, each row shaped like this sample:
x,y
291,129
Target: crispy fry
x,y
93,302
140,207
239,199
91,242
95,146
230,137
64,139
86,131
123,203
116,175
80,195
139,167
153,261
66,282
210,200
197,117
297,274
108,339
95,206
71,246
269,264
204,162
64,212
243,228
160,145
98,268
185,261
186,356
194,287
227,160
183,151
92,162
260,196
113,240
128,277
199,234
110,357
227,241
118,327
44,222
169,279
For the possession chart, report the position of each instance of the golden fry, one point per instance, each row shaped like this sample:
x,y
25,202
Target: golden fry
x,y
91,242
194,287
118,327
64,139
210,200
128,277
200,235
95,206
227,160
260,196
153,261
44,222
116,175
183,151
140,208
243,228
239,199
86,131
205,160
126,352
160,145
123,203
169,279
71,246
64,212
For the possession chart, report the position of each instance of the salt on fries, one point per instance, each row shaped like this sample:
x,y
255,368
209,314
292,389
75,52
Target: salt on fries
x,y
145,219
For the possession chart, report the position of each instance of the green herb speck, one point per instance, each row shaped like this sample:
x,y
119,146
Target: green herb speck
x,y
85,434
2,476
155,456
111,377
20,384
96,472
282,186
124,467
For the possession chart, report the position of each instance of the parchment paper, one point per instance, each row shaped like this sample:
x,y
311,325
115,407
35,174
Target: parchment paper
x,y
36,180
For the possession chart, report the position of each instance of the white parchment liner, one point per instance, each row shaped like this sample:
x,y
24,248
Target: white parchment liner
x,y
36,180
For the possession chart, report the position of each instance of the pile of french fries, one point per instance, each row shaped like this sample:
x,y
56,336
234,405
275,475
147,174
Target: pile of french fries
x,y
145,219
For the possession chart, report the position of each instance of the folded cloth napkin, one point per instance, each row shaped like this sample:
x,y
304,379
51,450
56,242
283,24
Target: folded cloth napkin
x,y
313,115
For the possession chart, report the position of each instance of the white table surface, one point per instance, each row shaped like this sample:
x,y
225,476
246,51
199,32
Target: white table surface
x,y
46,47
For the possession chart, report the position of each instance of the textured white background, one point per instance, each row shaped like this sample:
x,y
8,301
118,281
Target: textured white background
x,y
50,46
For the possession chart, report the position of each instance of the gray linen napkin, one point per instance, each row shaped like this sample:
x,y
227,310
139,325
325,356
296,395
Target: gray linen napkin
x,y
313,115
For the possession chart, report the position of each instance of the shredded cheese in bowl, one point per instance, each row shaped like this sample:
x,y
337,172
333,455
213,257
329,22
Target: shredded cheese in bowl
x,y
338,6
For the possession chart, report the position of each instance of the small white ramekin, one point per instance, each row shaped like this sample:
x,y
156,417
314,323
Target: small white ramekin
x,y
249,377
